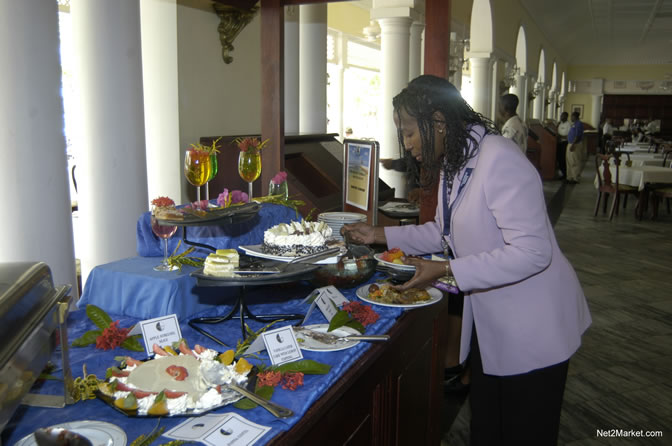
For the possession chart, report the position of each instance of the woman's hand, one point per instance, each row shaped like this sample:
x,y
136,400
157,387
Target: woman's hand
x,y
426,272
363,234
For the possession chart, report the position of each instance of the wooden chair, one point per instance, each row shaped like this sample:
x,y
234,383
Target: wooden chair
x,y
606,186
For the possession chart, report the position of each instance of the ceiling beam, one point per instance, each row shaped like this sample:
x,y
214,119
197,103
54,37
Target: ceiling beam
x,y
652,18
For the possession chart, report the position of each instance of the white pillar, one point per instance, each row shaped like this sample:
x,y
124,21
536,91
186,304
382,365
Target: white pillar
x,y
538,105
37,225
494,90
480,79
113,181
415,53
313,69
292,69
394,46
521,92
162,117
596,103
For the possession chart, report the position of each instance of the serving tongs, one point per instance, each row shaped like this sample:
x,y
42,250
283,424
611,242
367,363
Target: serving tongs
x,y
331,339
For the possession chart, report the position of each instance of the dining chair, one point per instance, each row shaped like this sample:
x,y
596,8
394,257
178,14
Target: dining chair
x,y
664,193
606,186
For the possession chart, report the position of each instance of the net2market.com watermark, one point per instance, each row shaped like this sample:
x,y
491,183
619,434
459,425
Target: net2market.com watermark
x,y
628,433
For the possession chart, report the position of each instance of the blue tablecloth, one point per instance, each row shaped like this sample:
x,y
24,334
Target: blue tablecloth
x,y
131,287
250,232
277,299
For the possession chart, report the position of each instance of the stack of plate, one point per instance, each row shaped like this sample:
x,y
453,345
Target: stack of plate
x,y
336,220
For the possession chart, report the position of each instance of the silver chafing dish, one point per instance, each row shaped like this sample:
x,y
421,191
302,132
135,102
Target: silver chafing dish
x,y
32,322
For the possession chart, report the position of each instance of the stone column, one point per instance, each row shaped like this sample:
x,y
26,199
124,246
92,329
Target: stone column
x,y
480,79
292,69
313,69
538,104
37,225
394,45
415,53
596,103
494,89
162,118
113,170
521,91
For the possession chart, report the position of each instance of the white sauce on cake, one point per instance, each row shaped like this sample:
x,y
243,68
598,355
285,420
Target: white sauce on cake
x,y
296,238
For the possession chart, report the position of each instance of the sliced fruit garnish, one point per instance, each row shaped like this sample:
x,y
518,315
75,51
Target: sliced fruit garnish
x,y
132,362
173,394
141,393
116,371
177,372
242,366
158,350
160,406
184,348
128,403
226,358
170,350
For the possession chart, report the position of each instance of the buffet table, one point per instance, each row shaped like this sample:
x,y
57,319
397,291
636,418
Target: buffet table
x,y
382,393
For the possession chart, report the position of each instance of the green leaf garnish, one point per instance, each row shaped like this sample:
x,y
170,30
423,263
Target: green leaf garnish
x,y
98,316
87,338
266,392
305,366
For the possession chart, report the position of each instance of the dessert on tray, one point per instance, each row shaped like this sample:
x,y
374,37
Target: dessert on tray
x,y
186,383
222,263
296,238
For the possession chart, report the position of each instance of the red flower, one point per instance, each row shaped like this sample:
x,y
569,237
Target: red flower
x,y
269,378
163,202
292,380
244,144
112,337
363,313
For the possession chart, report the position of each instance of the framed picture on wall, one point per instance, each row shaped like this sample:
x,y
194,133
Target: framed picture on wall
x,y
577,108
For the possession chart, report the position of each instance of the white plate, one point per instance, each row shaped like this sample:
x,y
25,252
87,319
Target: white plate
x,y
342,217
434,296
255,251
99,433
313,345
393,265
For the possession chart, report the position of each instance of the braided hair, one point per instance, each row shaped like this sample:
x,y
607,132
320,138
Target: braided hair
x,y
424,96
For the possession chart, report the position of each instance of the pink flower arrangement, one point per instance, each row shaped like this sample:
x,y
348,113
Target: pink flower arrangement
x,y
201,205
279,178
245,144
226,198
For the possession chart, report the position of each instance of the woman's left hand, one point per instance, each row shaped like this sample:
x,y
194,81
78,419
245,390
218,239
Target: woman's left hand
x,y
426,272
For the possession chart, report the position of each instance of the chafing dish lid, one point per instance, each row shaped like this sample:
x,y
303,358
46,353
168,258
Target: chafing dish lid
x,y
27,294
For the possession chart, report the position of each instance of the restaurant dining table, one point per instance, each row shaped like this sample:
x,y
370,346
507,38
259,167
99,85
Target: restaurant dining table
x,y
322,403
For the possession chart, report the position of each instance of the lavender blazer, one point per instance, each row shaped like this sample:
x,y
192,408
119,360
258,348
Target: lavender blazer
x,y
520,290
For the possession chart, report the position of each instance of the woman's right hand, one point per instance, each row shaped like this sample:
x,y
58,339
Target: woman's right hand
x,y
360,233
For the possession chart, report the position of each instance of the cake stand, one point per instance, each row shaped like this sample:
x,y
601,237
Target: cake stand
x,y
220,216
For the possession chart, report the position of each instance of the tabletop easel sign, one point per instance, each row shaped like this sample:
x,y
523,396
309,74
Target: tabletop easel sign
x,y
360,178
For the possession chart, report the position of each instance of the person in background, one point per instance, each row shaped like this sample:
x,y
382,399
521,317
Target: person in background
x,y
637,135
575,147
412,182
514,128
524,310
607,133
561,148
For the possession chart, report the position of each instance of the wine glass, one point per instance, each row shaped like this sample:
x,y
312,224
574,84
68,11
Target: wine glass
x,y
164,232
249,167
213,172
197,168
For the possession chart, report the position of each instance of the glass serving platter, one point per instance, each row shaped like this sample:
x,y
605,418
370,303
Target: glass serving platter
x,y
229,396
211,216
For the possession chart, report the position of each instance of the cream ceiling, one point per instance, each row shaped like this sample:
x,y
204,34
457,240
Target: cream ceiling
x,y
606,32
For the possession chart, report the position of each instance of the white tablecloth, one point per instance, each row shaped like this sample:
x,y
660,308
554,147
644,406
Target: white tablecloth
x,y
642,175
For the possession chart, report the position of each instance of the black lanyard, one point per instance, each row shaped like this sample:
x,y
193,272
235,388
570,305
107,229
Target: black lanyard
x,y
448,209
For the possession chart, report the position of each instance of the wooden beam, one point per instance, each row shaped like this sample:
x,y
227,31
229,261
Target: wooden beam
x,y
437,37
272,90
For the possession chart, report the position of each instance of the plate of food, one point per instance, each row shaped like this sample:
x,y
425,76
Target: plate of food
x,y
311,340
99,433
176,382
387,296
392,259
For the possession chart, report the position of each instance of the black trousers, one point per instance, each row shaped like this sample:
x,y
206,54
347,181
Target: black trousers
x,y
515,410
560,155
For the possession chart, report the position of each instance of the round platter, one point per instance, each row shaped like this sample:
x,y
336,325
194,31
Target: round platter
x,y
435,296
99,433
215,216
392,265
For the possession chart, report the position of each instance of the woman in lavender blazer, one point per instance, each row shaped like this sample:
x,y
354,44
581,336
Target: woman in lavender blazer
x,y
524,310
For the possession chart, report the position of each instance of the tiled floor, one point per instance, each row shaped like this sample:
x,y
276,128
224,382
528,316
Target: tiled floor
x,y
621,377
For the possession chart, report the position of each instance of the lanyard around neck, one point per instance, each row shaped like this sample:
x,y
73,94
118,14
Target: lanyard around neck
x,y
448,208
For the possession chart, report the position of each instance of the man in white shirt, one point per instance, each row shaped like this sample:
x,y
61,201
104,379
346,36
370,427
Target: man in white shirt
x,y
563,130
514,128
607,133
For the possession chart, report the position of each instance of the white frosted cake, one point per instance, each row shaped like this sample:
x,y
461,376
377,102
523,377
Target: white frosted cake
x,y
296,238
222,263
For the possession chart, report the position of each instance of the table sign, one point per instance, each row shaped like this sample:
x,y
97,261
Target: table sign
x,y
323,298
226,429
281,345
162,331
360,177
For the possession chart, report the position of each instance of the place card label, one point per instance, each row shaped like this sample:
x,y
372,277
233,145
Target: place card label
x,y
281,345
228,429
325,296
162,331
